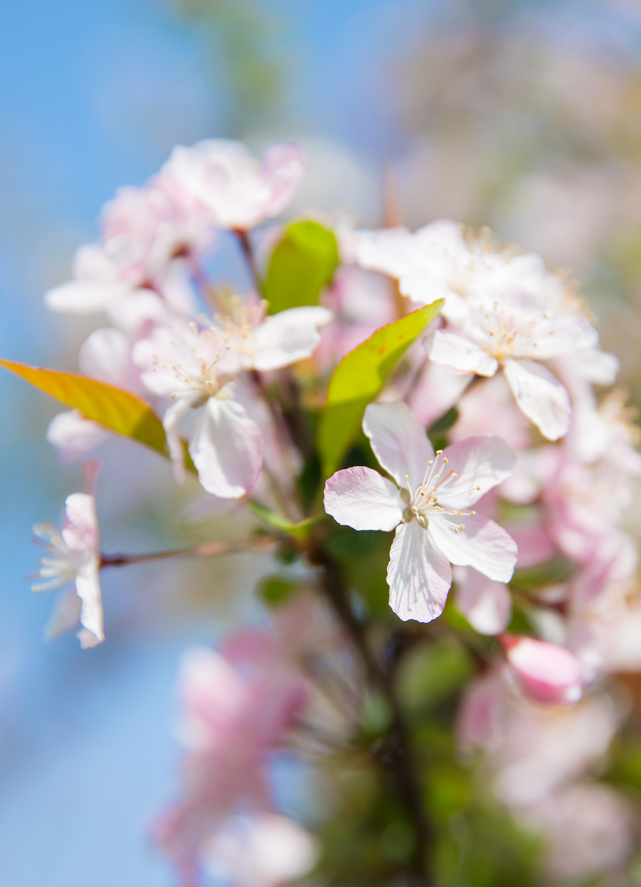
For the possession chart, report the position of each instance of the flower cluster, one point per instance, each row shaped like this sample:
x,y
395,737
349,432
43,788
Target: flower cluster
x,y
489,451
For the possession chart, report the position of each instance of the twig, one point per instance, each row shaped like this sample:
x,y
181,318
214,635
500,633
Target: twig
x,y
207,549
250,258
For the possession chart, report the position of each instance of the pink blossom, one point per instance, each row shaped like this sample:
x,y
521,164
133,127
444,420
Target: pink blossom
x,y
73,558
438,261
74,436
516,335
428,508
548,673
588,829
234,712
257,341
143,230
237,191
486,604
260,850
226,446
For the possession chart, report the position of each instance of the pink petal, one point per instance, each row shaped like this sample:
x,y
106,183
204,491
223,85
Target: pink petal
x,y
74,436
80,531
481,544
398,440
288,336
486,604
226,447
362,498
540,396
171,419
548,673
418,575
106,355
480,461
460,354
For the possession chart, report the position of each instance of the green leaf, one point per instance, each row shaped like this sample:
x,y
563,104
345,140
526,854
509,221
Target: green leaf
x,y
302,263
116,409
278,522
358,379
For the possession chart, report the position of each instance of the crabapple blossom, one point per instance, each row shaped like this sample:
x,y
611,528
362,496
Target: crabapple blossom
x,y
427,509
226,446
73,559
143,230
549,673
486,604
257,341
516,335
234,712
237,191
74,436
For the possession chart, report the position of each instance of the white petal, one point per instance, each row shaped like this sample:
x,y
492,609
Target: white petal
x,y
91,618
226,447
171,419
362,498
540,396
480,461
418,575
460,354
288,336
81,532
421,287
65,614
486,604
106,355
398,440
74,435
481,544
82,297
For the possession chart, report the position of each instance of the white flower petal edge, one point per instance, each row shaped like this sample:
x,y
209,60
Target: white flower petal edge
x,y
486,604
398,440
478,542
480,463
460,354
363,499
540,396
227,448
418,575
288,336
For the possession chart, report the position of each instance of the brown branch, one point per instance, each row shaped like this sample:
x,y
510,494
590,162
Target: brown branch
x,y
250,258
400,760
207,549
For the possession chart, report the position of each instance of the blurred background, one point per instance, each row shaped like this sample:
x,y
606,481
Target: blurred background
x,y
525,116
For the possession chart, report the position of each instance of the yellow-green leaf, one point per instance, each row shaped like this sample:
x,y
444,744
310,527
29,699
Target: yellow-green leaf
x,y
358,379
302,263
116,409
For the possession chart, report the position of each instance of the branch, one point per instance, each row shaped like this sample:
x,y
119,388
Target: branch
x,y
250,258
207,549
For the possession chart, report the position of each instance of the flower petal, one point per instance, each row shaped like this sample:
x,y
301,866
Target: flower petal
x,y
74,436
460,354
398,440
362,498
486,604
418,575
480,463
65,614
226,447
91,616
548,673
539,395
481,544
81,532
173,415
288,336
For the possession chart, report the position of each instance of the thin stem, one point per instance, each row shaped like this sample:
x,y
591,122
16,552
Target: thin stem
x,y
250,258
207,549
401,761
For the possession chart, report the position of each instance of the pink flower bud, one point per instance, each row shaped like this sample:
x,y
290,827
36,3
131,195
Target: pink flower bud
x,y
548,673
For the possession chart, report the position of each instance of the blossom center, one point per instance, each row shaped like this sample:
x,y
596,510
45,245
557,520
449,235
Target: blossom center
x,y
424,501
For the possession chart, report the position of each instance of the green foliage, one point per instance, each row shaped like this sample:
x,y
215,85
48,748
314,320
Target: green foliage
x,y
437,432
303,262
358,379
429,673
276,590
115,409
